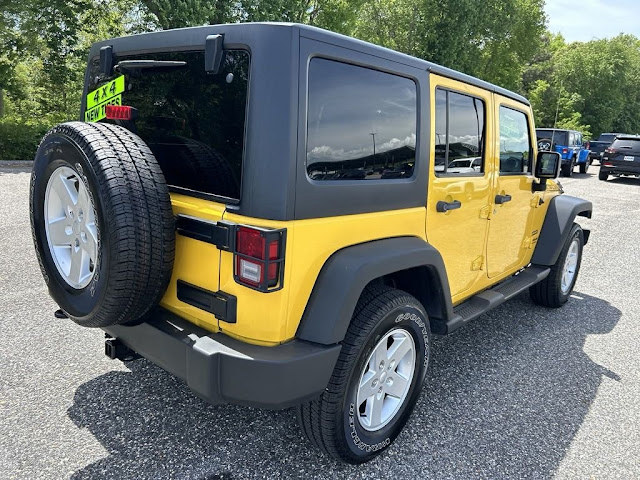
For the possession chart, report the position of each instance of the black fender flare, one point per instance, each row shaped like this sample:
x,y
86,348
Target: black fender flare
x,y
348,271
561,213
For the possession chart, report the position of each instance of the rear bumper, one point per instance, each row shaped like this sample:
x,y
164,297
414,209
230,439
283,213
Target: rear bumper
x,y
224,370
621,170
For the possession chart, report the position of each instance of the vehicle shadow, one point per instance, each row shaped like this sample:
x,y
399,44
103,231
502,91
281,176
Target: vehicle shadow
x,y
589,174
505,397
624,180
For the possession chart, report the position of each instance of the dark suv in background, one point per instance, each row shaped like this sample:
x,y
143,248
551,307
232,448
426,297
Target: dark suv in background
x,y
597,147
569,144
622,158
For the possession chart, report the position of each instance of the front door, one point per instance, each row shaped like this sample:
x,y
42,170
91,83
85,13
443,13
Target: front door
x,y
511,238
460,185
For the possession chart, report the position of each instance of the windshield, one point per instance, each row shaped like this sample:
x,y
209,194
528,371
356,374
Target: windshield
x,y
193,122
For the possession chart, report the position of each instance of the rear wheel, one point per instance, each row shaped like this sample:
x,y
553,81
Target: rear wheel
x,y
554,291
603,175
376,381
102,223
585,166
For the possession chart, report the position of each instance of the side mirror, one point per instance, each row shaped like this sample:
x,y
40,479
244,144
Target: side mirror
x,y
547,166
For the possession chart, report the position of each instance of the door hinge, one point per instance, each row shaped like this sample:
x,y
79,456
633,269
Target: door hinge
x,y
220,233
485,212
477,264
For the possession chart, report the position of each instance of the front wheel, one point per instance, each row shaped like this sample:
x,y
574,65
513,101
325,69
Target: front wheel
x,y
554,291
376,381
566,170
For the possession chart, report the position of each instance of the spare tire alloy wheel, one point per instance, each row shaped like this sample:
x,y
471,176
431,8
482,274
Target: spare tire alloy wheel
x,y
70,226
102,223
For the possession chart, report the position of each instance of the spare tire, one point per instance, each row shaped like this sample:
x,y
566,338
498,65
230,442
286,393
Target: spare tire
x,y
101,222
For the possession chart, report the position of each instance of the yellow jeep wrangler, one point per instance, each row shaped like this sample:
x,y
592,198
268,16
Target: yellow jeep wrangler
x,y
283,216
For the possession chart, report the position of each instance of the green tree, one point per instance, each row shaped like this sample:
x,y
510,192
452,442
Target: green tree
x,y
491,39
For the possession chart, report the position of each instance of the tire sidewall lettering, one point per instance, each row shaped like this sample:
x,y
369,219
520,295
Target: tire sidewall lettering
x,y
365,443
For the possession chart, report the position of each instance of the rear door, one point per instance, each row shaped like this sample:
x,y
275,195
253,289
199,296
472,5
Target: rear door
x,y
511,234
193,122
458,203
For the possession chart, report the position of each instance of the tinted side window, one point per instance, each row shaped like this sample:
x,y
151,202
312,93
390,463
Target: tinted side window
x,y
361,123
515,144
459,134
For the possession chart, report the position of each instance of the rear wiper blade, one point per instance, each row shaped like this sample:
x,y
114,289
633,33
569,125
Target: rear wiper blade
x,y
148,65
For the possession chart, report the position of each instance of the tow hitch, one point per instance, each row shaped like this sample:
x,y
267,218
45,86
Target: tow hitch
x,y
115,349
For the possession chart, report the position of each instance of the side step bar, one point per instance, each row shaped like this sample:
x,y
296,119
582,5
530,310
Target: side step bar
x,y
485,301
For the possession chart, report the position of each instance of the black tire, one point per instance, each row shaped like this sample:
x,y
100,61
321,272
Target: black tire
x,y
549,293
134,220
566,170
584,166
332,422
603,175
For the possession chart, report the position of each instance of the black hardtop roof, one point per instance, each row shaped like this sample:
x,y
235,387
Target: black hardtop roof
x,y
558,129
192,37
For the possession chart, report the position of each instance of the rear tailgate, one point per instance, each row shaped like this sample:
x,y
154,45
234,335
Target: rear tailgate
x,y
623,155
197,263
194,123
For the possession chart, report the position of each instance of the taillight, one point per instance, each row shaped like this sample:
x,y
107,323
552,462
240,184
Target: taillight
x,y
565,150
588,146
259,258
119,112
610,150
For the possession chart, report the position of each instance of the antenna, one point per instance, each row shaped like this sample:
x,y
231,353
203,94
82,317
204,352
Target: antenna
x,y
555,121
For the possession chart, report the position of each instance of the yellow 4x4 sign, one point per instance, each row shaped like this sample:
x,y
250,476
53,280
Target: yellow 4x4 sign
x,y
97,101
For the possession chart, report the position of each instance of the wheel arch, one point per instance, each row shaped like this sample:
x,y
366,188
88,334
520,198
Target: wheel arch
x,y
561,214
407,263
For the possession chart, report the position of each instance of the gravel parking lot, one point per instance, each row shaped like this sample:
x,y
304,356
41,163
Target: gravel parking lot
x,y
522,392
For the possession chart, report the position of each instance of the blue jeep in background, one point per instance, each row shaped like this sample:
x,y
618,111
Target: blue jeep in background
x,y
569,144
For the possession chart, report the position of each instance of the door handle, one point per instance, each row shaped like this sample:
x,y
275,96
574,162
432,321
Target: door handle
x,y
443,206
500,199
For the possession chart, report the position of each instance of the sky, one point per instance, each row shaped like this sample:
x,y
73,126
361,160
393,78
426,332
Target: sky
x,y
584,20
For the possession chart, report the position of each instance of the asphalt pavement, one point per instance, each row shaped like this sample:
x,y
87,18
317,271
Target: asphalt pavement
x,y
521,392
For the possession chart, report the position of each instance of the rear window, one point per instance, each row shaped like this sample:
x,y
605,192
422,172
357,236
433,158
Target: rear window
x,y
627,144
606,138
193,122
556,137
361,123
